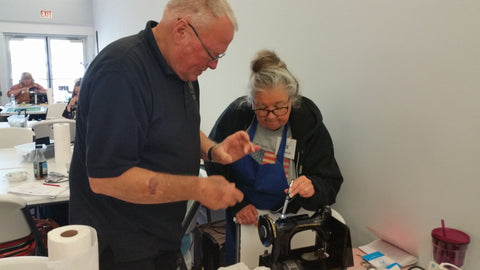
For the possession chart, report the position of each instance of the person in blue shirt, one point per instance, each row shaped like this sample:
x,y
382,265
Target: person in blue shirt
x,y
138,142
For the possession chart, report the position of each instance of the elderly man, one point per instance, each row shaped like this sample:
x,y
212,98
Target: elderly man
x,y
138,139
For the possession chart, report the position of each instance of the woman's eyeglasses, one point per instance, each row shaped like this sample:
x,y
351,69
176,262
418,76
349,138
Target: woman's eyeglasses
x,y
277,111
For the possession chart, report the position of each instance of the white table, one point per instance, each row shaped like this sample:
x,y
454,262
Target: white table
x,y
29,124
10,161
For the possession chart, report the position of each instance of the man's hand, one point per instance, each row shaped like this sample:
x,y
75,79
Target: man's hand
x,y
217,193
233,148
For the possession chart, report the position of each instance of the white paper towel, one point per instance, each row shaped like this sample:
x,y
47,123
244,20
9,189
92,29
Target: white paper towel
x,y
73,247
24,263
63,152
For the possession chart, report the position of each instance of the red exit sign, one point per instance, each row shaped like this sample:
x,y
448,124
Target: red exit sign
x,y
46,14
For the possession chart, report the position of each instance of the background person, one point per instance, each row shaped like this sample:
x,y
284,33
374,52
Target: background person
x,y
71,108
295,146
138,141
21,91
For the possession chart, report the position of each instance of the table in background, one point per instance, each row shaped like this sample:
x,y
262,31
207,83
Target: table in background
x,y
35,111
11,161
29,124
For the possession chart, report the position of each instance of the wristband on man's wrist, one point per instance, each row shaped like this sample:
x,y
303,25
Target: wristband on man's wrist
x,y
209,154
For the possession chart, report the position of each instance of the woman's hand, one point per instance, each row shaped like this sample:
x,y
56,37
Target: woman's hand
x,y
248,215
72,102
302,186
22,90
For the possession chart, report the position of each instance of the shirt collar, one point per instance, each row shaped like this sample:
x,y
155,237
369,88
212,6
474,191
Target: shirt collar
x,y
152,44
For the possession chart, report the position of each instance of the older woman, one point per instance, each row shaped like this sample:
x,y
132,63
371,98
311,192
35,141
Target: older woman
x,y
295,146
21,91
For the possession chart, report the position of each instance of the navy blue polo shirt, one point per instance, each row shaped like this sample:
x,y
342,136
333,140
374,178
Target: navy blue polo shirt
x,y
133,110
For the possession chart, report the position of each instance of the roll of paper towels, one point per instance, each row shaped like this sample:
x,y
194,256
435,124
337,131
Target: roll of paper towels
x,y
73,247
61,137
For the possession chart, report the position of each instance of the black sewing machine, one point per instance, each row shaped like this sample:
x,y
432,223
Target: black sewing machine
x,y
37,98
332,249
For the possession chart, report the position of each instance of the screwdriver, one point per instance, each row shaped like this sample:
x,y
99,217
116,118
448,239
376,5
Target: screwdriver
x,y
287,199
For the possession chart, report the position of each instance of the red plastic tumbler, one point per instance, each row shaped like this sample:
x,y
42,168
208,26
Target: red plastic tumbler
x,y
449,245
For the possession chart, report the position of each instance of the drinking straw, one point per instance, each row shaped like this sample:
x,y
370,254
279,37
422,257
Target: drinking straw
x,y
443,227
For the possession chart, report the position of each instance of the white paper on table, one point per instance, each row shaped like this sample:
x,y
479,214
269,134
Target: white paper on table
x,y
37,189
391,251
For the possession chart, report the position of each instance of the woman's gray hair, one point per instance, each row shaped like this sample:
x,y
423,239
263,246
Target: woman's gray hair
x,y
268,70
200,11
26,75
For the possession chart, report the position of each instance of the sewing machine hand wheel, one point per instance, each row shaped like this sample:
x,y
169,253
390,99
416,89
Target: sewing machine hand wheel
x,y
266,230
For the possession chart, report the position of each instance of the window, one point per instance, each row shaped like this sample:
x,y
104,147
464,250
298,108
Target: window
x,y
54,61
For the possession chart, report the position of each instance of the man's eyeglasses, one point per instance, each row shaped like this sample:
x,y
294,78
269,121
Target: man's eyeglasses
x,y
277,111
212,58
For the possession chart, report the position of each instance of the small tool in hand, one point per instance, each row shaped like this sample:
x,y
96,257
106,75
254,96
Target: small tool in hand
x,y
287,199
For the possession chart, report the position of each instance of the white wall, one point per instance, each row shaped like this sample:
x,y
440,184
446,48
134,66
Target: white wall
x,y
116,19
68,12
398,84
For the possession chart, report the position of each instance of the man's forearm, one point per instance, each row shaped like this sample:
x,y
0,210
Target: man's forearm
x,y
142,186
